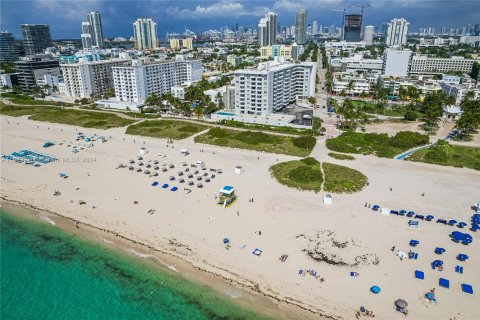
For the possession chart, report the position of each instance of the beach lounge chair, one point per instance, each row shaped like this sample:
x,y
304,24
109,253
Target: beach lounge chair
x,y
419,274
459,269
257,252
413,224
442,221
419,216
442,282
394,212
467,288
414,256
300,272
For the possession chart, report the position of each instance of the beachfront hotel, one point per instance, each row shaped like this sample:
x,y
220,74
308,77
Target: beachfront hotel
x,y
273,86
83,77
136,80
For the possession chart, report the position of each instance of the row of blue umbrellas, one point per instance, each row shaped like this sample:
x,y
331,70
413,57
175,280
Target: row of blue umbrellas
x,y
476,222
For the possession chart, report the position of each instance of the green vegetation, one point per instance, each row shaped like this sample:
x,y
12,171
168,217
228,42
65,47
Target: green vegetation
x,y
310,48
8,67
260,141
340,179
99,120
341,156
445,154
302,174
263,127
377,144
306,174
29,100
18,111
469,121
172,129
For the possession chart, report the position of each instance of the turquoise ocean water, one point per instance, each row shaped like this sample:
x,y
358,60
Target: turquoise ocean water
x,y
47,273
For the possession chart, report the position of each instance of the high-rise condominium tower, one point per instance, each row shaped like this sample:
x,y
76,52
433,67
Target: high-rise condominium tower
x,y
301,26
95,21
145,33
396,34
36,38
267,29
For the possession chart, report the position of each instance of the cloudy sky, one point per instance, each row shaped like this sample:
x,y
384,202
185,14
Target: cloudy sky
x,y
65,16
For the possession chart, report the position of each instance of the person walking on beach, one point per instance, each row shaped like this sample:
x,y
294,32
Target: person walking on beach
x,y
393,248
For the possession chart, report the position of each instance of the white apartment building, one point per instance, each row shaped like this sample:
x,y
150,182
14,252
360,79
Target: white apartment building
x,y
51,81
428,65
344,45
272,86
350,84
227,95
357,64
84,77
458,91
397,31
396,62
136,80
425,85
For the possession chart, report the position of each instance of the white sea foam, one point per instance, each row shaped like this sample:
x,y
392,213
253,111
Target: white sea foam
x,y
47,219
139,254
105,240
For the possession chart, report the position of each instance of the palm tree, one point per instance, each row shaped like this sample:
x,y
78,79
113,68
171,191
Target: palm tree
x,y
350,86
198,111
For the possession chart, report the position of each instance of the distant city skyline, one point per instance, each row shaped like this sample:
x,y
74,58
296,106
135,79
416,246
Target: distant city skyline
x,y
65,17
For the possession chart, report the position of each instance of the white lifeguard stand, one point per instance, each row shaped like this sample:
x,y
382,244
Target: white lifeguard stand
x,y
327,199
184,152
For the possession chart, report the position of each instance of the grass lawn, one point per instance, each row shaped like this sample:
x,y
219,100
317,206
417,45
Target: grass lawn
x,y
449,155
379,144
341,156
254,140
394,110
340,179
302,174
173,129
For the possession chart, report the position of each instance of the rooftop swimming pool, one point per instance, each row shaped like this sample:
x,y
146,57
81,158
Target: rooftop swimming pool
x,y
226,114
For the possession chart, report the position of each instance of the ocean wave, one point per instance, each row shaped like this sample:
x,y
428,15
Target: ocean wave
x,y
146,255
105,240
139,254
47,219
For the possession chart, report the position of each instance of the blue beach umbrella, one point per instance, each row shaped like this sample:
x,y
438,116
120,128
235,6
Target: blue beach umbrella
x,y
429,217
226,241
457,236
437,263
410,214
375,289
439,250
414,243
375,207
452,222
462,257
462,224
402,212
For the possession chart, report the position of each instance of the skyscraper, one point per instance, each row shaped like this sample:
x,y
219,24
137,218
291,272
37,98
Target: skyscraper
x,y
145,33
314,27
95,21
267,29
368,35
397,31
86,36
36,38
301,26
352,27
8,52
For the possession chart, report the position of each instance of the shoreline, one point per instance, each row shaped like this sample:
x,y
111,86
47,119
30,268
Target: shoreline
x,y
270,305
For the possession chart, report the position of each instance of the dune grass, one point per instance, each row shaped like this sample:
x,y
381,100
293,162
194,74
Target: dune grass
x,y
306,174
17,111
445,154
341,156
302,174
379,144
173,129
340,179
254,140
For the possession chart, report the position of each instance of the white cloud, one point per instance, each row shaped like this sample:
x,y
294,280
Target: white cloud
x,y
66,9
223,8
295,5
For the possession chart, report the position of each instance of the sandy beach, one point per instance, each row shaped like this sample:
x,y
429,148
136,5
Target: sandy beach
x,y
191,227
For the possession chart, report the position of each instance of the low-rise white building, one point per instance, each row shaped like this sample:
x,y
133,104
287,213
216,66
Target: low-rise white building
x,y
52,83
458,91
226,95
273,86
179,91
344,45
350,84
234,60
137,79
357,64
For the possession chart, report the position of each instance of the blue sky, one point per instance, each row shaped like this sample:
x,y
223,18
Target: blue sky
x,y
65,16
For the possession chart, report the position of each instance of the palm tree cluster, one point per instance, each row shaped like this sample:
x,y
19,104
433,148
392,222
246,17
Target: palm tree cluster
x,y
469,121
